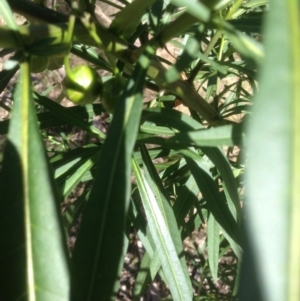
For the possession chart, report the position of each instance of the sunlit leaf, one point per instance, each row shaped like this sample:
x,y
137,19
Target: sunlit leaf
x,y
163,241
213,244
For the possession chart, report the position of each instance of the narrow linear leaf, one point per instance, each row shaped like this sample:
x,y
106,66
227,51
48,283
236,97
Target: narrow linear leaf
x,y
194,8
60,162
171,118
6,76
144,234
67,115
273,175
244,44
163,241
157,188
213,245
214,200
186,198
127,20
34,259
218,158
48,119
224,135
97,257
143,277
75,174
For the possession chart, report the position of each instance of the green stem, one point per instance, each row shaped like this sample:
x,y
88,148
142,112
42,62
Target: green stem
x,y
91,28
218,78
69,42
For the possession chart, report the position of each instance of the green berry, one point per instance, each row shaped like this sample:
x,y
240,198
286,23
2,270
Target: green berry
x,y
83,85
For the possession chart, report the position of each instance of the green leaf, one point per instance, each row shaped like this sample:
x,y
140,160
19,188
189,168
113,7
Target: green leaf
x,y
75,172
218,158
244,44
34,260
187,196
5,77
97,257
127,20
48,119
213,244
214,200
273,215
171,118
253,23
224,135
67,115
194,8
191,53
143,277
60,162
158,190
162,239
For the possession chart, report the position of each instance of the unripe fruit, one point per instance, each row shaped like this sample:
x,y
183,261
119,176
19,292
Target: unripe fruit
x,y
83,85
111,92
38,63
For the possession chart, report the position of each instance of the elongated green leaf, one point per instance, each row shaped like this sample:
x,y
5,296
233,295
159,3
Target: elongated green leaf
x,y
215,201
157,188
143,277
48,119
128,19
218,158
163,241
155,153
273,176
34,264
136,216
75,209
171,118
99,247
5,77
67,115
251,4
252,23
186,198
60,162
157,130
237,249
74,175
244,44
213,245
152,265
224,135
193,223
194,8
91,56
